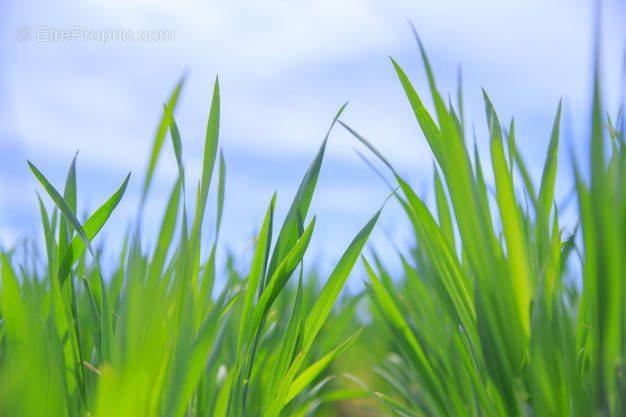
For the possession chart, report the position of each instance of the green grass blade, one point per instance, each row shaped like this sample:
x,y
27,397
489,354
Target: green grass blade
x,y
160,136
320,310
178,148
210,150
546,191
299,207
255,276
90,229
279,279
509,214
165,234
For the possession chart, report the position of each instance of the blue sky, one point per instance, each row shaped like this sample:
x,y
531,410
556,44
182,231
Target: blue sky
x,y
284,68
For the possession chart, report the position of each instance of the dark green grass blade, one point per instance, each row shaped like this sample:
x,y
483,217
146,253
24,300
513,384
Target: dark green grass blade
x,y
160,136
90,229
299,207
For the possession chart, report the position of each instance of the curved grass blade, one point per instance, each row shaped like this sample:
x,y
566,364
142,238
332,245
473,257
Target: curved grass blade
x,y
289,231
90,229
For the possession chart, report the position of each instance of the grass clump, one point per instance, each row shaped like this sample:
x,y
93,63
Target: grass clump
x,y
150,340
488,320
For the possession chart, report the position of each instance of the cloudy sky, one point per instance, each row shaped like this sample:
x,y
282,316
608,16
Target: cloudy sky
x,y
285,68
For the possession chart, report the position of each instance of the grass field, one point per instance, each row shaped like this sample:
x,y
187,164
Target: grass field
x,y
489,317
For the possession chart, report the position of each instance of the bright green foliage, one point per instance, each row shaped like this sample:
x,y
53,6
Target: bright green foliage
x,y
501,310
150,340
489,320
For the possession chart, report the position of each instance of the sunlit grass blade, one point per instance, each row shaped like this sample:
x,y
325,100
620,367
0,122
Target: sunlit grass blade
x,y
507,203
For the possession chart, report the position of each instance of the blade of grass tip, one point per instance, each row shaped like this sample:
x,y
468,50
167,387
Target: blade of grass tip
x,y
546,191
210,145
515,241
91,228
69,194
159,137
510,138
374,169
266,260
394,405
289,231
429,128
208,163
62,204
368,145
442,113
178,148
597,132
